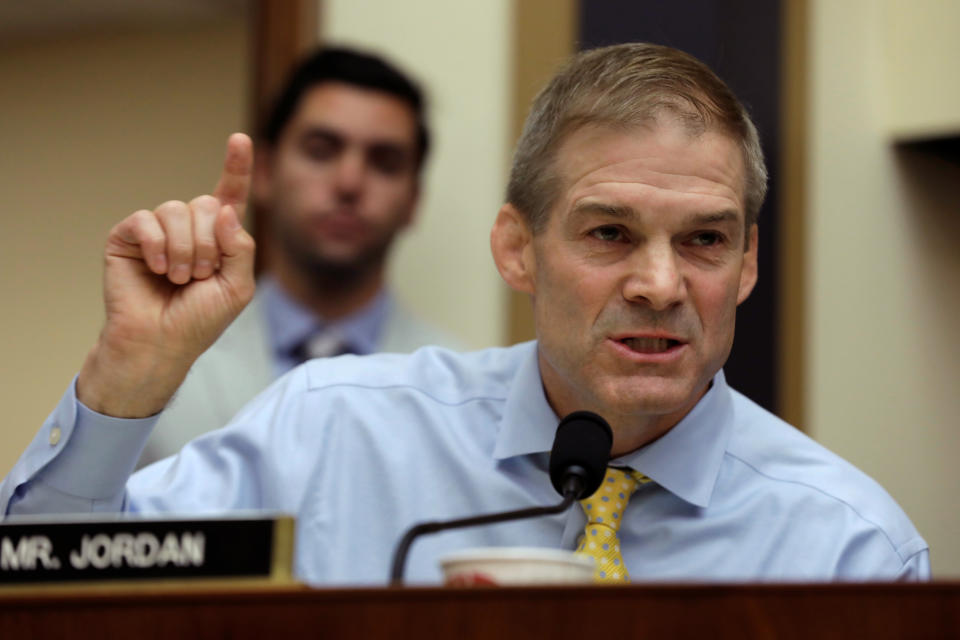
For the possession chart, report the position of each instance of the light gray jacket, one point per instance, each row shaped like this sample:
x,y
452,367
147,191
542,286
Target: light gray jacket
x,y
240,364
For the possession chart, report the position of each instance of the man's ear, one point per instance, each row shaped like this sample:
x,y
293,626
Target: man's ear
x,y
748,271
511,242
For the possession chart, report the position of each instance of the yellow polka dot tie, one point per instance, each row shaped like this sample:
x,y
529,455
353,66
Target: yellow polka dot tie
x,y
604,510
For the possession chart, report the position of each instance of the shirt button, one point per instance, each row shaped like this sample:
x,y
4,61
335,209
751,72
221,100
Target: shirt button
x,y
54,436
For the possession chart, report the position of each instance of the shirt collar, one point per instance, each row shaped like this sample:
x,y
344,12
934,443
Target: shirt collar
x,y
528,424
291,323
685,461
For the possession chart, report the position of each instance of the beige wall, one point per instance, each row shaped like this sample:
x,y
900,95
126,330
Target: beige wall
x,y
93,128
460,51
921,49
882,287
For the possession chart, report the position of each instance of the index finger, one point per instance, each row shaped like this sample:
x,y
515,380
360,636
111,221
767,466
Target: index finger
x,y
234,184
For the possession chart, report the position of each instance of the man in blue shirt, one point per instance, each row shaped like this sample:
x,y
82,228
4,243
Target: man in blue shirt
x,y
631,223
337,178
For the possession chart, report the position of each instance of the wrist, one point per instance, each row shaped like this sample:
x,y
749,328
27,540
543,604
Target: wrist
x,y
125,382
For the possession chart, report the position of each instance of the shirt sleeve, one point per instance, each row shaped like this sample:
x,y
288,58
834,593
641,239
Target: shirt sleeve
x,y
916,568
78,462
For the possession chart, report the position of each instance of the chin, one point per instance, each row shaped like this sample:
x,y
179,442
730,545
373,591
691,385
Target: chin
x,y
649,397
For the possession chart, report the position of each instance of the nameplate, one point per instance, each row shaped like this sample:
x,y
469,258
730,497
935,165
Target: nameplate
x,y
146,549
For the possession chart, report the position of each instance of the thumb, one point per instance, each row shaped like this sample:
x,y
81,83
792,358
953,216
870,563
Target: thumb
x,y
236,253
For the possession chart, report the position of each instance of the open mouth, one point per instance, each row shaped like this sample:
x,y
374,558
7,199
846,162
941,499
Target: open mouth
x,y
649,345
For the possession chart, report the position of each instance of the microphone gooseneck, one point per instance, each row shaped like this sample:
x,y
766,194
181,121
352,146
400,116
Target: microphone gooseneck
x,y
578,461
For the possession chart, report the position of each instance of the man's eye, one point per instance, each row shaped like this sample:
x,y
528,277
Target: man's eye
x,y
320,149
607,234
320,145
388,160
707,239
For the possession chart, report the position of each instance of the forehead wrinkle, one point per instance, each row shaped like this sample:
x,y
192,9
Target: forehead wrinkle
x,y
677,181
632,168
589,200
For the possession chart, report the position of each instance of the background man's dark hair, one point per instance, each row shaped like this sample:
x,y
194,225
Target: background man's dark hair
x,y
338,64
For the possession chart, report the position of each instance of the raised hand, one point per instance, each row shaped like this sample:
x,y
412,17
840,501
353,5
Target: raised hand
x,y
174,278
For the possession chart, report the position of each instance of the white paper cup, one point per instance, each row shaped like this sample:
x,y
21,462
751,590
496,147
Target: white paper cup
x,y
515,565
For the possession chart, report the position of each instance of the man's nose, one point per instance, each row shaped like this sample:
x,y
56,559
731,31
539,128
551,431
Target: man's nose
x,y
351,169
655,277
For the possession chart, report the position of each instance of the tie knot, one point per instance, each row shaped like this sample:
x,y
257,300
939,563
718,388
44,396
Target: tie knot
x,y
322,344
607,504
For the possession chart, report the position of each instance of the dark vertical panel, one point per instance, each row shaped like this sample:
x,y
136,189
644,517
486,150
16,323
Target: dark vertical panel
x,y
791,205
740,40
280,32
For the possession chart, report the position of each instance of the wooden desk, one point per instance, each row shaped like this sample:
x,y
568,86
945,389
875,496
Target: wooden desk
x,y
807,612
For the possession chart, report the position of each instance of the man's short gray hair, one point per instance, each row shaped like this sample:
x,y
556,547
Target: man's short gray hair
x,y
624,86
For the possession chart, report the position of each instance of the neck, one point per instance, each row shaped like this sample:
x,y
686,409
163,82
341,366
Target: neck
x,y
633,427
330,296
632,431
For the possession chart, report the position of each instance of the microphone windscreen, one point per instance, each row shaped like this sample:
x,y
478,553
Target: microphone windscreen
x,y
583,439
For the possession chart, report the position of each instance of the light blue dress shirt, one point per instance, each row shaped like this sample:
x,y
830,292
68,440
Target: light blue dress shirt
x,y
361,448
290,323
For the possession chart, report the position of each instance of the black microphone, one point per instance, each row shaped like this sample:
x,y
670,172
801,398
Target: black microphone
x,y
581,451
578,462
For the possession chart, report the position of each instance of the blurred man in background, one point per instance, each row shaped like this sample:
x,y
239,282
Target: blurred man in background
x,y
338,176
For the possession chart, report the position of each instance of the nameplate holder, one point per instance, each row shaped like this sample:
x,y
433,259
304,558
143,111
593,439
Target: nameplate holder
x,y
135,549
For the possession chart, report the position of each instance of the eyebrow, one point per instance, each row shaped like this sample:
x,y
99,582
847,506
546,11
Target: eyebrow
x,y
612,210
626,212
329,133
316,131
727,215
